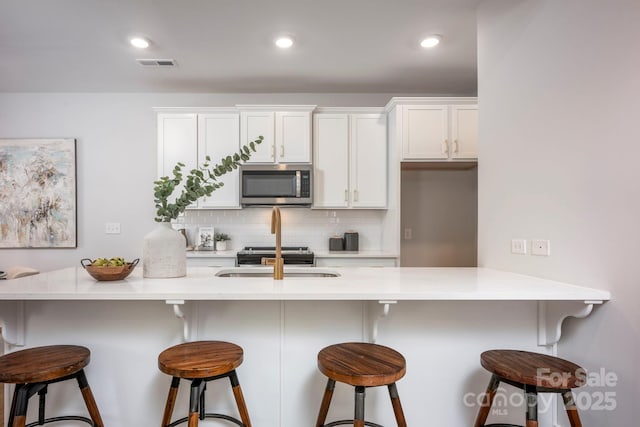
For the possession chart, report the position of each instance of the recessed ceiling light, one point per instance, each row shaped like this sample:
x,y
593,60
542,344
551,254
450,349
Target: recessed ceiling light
x,y
139,42
430,41
284,42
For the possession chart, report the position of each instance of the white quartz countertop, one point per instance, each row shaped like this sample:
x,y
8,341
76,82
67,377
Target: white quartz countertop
x,y
361,283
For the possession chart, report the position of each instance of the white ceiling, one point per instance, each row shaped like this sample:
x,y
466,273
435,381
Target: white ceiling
x,y
220,46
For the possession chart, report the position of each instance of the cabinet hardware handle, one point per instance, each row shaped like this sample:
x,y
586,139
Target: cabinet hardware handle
x,y
346,195
355,195
445,147
282,150
456,145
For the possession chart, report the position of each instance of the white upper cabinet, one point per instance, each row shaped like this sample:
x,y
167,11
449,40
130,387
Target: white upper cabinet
x,y
254,124
439,132
218,137
425,131
293,137
368,175
189,138
287,133
177,142
350,161
331,160
464,131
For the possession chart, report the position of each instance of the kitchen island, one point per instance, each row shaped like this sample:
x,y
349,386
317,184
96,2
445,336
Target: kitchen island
x,y
436,317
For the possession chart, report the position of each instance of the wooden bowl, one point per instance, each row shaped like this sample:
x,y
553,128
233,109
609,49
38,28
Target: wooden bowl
x,y
105,274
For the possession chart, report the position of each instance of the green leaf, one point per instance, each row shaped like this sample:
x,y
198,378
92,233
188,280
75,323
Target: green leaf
x,y
198,182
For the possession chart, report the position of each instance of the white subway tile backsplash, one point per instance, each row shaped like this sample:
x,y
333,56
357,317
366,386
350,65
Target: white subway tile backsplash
x,y
304,227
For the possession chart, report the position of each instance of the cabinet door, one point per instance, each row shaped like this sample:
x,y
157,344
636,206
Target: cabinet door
x,y
425,132
293,137
368,175
464,131
177,142
254,124
218,137
331,160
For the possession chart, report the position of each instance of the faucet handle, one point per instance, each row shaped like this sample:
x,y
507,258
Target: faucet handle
x,y
268,261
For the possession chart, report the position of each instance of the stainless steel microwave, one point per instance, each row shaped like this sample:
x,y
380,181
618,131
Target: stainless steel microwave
x,y
269,185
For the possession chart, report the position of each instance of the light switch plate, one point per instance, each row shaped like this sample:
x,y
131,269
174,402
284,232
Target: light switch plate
x,y
112,228
518,246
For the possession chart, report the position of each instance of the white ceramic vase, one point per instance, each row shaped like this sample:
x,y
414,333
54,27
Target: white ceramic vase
x,y
221,245
163,253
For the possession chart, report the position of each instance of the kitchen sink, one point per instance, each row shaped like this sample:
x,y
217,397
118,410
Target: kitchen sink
x,y
268,272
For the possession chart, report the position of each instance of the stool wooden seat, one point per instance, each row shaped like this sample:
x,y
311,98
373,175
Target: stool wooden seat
x,y
201,362
360,365
534,373
33,369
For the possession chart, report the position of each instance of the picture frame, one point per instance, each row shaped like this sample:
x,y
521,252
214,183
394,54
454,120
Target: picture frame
x,y
206,238
38,193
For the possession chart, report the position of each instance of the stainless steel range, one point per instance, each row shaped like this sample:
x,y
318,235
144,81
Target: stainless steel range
x,y
292,255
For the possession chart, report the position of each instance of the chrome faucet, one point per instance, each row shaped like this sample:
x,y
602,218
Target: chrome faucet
x,y
277,262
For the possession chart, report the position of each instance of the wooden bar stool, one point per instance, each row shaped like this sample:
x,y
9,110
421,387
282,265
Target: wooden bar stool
x,y
534,373
361,365
33,369
201,362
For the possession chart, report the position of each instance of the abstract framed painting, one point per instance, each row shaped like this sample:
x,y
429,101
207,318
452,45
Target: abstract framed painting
x,y
38,206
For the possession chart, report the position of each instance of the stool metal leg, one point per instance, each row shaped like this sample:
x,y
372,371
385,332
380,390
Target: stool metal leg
x,y
326,401
203,410
237,393
171,401
194,402
397,406
21,397
89,400
12,412
532,406
487,401
42,401
358,420
570,407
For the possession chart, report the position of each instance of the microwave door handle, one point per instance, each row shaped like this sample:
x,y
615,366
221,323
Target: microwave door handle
x,y
298,183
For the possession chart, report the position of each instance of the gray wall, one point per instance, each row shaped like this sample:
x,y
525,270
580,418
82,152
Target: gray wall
x,y
559,83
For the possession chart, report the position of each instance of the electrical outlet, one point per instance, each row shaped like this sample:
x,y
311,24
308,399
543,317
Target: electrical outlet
x,y
540,247
408,234
112,228
518,246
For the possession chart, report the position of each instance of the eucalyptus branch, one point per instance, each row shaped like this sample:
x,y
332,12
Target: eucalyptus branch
x,y
199,182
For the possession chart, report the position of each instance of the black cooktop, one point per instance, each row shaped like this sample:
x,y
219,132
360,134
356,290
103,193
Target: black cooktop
x,y
252,255
272,249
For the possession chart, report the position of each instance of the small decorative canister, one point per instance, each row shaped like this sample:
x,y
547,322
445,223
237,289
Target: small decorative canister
x,y
351,241
336,243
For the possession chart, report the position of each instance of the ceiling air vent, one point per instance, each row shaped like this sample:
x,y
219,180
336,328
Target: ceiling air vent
x,y
157,62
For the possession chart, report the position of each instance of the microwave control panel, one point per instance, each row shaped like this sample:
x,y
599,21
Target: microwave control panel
x,y
305,184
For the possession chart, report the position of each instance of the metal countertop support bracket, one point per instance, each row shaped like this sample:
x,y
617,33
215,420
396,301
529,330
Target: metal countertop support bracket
x,y
551,315
385,312
12,322
183,311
